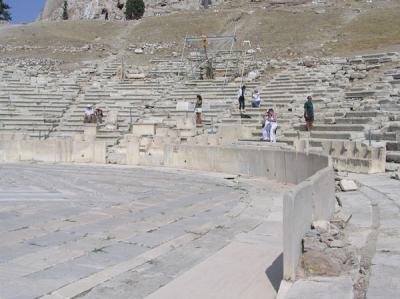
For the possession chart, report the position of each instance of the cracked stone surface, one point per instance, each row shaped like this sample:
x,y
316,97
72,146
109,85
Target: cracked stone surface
x,y
123,232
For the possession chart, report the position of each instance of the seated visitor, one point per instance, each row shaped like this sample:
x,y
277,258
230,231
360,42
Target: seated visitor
x,y
256,99
270,126
89,114
99,115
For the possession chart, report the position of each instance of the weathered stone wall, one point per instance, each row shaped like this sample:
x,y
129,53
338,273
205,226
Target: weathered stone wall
x,y
15,147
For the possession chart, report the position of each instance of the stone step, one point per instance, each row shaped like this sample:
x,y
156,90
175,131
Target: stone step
x,y
331,135
355,121
393,146
393,156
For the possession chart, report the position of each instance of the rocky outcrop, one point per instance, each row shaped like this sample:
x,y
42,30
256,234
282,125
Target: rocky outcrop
x,y
96,9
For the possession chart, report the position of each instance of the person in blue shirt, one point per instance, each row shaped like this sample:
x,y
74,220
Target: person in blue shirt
x,y
309,113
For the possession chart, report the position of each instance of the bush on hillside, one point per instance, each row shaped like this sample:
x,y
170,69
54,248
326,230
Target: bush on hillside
x,y
134,9
65,11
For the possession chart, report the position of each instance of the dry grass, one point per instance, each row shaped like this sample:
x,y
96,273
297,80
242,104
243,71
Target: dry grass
x,y
374,30
346,28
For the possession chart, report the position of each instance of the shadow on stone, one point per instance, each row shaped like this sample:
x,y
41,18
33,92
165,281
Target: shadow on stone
x,y
275,272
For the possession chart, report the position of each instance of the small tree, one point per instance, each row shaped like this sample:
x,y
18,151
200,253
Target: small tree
x,y
4,14
65,11
134,9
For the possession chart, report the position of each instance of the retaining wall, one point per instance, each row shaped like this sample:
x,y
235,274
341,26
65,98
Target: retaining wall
x,y
19,148
311,200
285,166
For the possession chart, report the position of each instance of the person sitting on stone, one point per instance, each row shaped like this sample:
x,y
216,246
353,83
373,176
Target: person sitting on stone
x,y
256,99
99,115
89,114
270,126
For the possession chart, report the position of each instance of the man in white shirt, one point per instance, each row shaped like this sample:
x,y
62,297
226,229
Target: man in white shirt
x,y
89,114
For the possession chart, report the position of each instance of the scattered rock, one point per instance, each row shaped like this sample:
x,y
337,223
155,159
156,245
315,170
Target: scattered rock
x,y
396,176
139,51
308,62
358,75
337,244
253,75
348,185
321,226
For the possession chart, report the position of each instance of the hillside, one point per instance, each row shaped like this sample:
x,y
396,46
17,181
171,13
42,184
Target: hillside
x,y
286,30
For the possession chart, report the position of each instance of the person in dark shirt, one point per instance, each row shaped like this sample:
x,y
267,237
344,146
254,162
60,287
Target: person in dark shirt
x,y
309,113
241,99
198,109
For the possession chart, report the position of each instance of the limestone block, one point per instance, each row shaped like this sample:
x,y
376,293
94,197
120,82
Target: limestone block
x,y
184,106
89,132
213,140
348,185
132,151
89,152
186,123
162,131
302,145
136,76
111,120
99,155
187,133
297,217
142,129
322,288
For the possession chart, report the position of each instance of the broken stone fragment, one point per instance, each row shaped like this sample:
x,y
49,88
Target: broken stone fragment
x,y
341,218
139,51
321,226
313,243
348,185
396,176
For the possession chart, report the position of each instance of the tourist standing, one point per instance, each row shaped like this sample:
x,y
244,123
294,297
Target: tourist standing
x,y
241,99
309,113
198,109
270,126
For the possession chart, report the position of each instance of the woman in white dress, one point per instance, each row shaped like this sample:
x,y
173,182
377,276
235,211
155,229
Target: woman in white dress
x,y
270,125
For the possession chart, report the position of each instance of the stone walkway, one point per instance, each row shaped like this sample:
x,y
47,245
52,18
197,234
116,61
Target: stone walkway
x,y
124,232
384,239
374,232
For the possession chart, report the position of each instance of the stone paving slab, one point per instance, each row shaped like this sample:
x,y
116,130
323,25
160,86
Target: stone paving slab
x,y
384,280
240,270
116,231
322,288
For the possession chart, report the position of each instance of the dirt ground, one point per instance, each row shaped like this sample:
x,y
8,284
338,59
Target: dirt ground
x,y
279,28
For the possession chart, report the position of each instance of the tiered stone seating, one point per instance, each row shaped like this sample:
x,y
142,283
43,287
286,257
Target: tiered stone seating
x,y
32,107
52,104
356,113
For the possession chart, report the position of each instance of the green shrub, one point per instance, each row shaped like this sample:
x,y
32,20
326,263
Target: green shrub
x,y
134,9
